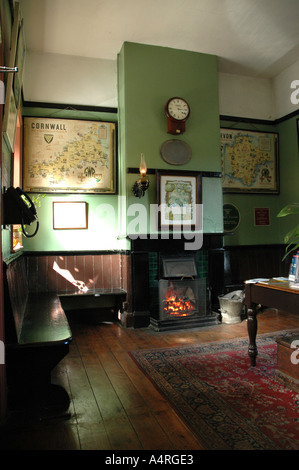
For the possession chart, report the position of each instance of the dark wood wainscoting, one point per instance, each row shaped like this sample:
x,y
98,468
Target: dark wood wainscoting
x,y
228,268
253,261
58,272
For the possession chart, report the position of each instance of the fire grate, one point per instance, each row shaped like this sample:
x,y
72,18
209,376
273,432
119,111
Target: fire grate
x,y
183,301
181,298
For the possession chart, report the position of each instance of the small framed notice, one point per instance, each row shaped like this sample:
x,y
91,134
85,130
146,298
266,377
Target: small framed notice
x,y
261,216
69,215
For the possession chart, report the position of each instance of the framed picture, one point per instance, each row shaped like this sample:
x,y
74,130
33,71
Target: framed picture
x,y
69,156
261,216
19,63
10,123
12,102
249,161
179,194
69,215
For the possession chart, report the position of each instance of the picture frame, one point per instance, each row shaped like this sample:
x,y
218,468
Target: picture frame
x,y
261,216
11,105
69,156
71,215
19,63
9,127
179,194
250,162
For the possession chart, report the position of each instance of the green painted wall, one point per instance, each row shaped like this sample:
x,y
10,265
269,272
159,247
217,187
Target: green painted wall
x,y
247,233
103,230
148,77
289,171
151,76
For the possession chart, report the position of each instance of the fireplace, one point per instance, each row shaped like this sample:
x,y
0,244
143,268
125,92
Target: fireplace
x,y
147,257
182,295
179,289
178,298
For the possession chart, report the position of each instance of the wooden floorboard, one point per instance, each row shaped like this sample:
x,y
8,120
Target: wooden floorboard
x,y
114,406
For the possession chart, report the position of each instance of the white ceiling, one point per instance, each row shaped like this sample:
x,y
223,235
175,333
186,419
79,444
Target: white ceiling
x,y
250,37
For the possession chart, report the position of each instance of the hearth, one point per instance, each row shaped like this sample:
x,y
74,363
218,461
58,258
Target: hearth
x,y
178,298
146,255
182,295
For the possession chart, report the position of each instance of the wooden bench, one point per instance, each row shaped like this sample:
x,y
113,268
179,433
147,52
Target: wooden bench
x,y
38,332
37,337
92,287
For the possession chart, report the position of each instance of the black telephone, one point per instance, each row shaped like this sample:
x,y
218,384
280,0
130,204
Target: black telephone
x,y
18,208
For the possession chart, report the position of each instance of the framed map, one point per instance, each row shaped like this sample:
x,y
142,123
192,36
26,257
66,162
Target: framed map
x,y
11,99
179,199
69,156
249,161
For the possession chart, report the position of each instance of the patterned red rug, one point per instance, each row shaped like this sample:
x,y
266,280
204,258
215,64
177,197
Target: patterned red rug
x,y
225,402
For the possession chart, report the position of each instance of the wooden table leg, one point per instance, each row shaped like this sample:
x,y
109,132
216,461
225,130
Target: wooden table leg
x,y
252,331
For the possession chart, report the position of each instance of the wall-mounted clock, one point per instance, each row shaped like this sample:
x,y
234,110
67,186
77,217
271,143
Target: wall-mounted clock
x,y
177,112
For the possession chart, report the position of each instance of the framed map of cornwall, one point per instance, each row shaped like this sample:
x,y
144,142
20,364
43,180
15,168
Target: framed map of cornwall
x,y
69,156
249,161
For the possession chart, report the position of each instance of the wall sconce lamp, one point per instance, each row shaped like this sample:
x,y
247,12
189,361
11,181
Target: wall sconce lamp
x,y
142,184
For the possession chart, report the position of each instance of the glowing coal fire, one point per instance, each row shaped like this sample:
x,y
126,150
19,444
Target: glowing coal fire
x,y
179,301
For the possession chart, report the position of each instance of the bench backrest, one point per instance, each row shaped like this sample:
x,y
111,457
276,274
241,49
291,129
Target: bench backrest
x,y
15,298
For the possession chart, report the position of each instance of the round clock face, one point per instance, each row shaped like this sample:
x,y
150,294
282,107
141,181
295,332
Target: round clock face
x,y
178,109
